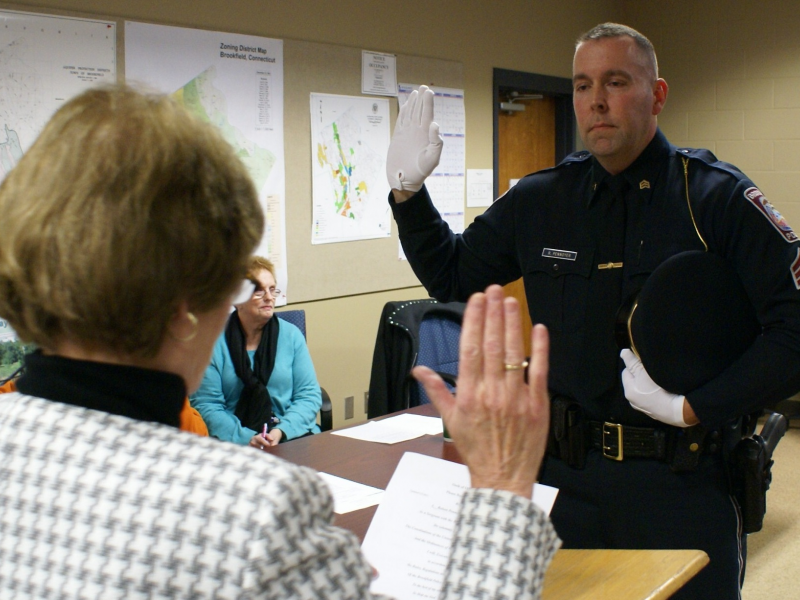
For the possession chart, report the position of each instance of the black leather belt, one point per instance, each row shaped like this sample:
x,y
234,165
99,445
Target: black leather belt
x,y
618,442
572,437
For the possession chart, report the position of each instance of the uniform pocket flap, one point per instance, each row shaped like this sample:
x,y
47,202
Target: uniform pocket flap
x,y
556,261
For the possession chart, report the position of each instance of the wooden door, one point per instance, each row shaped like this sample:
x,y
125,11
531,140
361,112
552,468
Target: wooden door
x,y
526,143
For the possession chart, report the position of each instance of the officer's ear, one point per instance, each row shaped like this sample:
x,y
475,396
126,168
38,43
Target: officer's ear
x,y
660,91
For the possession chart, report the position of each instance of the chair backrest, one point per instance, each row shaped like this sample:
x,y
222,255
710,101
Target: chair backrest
x,y
438,349
402,342
296,318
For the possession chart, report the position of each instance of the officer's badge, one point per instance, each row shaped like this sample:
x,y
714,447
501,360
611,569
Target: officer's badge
x,y
754,195
796,270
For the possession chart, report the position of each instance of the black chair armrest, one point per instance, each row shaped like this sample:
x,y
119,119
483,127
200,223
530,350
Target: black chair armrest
x,y
325,412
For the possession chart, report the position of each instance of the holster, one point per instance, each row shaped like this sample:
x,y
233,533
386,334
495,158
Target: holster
x,y
751,476
751,468
569,439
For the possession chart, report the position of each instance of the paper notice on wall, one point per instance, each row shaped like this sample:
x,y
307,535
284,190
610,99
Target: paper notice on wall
x,y
480,187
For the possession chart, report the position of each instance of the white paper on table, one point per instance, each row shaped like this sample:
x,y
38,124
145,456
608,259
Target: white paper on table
x,y
394,429
408,541
350,495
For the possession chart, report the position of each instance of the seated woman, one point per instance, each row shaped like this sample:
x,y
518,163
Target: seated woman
x,y
126,232
260,368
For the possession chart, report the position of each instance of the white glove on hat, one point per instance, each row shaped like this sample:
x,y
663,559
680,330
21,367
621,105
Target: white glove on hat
x,y
646,396
416,145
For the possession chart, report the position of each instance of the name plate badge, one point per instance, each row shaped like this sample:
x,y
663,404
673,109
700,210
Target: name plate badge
x,y
560,254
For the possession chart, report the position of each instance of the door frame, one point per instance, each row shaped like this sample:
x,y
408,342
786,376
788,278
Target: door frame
x,y
559,88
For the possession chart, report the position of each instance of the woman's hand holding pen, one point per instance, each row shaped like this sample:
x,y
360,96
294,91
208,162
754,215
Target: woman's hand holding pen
x,y
267,438
497,421
274,436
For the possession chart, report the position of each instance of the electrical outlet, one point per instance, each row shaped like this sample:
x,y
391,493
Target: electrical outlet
x,y
348,407
366,403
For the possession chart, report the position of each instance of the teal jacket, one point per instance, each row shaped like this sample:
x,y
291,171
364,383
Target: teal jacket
x,y
293,386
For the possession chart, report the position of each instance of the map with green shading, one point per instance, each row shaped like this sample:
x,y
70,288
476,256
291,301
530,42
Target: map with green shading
x,y
350,137
340,163
205,100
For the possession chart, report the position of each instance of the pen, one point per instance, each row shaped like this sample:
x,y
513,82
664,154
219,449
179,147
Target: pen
x,y
264,433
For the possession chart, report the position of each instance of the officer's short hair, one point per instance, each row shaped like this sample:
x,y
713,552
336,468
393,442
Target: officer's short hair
x,y
615,30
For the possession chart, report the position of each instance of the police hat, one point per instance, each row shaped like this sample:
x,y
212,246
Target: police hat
x,y
691,320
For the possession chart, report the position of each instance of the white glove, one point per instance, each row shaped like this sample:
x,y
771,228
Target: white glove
x,y
416,145
646,396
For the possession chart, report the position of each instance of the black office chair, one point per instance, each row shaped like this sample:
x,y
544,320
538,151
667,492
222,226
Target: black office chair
x,y
410,333
298,319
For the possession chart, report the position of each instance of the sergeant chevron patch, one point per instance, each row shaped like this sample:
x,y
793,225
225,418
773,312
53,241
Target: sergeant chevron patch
x,y
754,195
795,268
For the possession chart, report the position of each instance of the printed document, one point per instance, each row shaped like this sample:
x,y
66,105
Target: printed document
x,y
408,541
350,495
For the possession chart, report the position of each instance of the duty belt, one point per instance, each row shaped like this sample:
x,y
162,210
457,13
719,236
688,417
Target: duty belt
x,y
624,441
572,437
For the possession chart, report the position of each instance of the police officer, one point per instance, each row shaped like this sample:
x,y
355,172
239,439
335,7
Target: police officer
x,y
633,467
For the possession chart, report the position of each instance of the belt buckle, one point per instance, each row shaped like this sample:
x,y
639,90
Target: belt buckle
x,y
611,429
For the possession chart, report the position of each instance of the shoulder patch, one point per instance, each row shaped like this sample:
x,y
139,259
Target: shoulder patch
x,y
754,195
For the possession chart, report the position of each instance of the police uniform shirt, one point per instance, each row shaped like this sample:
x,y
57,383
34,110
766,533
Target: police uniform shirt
x,y
563,230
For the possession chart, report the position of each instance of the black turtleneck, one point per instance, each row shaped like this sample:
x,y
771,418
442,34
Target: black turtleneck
x,y
134,392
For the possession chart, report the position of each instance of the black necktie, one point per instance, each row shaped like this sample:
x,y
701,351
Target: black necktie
x,y
599,346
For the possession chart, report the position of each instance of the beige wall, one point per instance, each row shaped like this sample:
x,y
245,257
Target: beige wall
x,y
733,67
525,35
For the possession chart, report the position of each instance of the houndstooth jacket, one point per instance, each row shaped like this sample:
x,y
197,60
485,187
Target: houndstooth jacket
x,y
98,506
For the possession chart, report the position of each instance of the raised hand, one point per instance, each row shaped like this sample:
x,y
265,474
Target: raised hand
x,y
497,421
416,145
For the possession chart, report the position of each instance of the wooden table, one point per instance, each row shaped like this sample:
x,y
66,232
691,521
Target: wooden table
x,y
573,575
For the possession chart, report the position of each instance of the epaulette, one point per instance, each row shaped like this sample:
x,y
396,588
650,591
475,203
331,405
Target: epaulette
x,y
707,157
570,159
575,157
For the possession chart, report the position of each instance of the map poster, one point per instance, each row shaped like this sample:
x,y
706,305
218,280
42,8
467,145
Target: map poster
x,y
44,61
349,142
235,82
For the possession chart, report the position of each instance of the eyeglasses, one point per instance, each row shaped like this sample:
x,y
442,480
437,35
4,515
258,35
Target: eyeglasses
x,y
249,289
260,293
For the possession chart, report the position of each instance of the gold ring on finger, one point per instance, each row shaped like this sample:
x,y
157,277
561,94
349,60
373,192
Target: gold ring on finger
x,y
519,367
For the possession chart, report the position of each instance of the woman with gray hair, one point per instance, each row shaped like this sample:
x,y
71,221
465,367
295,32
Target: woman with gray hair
x,y
126,231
